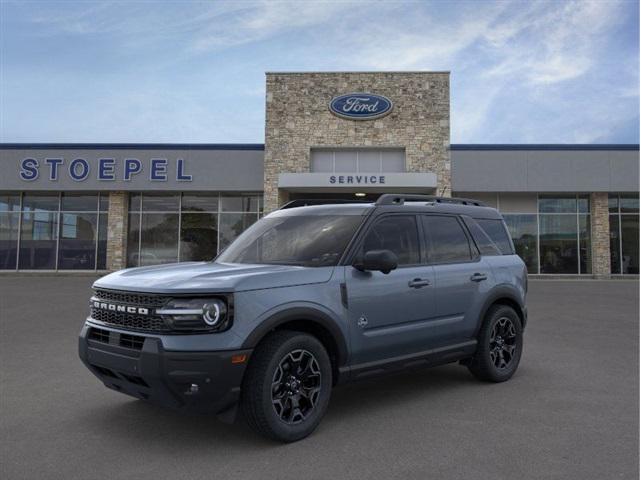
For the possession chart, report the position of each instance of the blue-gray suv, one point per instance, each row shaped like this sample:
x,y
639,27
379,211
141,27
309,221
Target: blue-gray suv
x,y
310,297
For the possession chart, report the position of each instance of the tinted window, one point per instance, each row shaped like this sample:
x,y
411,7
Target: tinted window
x,y
305,240
498,233
484,243
446,240
397,233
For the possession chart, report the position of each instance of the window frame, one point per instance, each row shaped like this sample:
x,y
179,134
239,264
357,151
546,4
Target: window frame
x,y
474,251
354,250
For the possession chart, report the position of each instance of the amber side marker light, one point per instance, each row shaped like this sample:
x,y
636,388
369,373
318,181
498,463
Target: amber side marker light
x,y
238,358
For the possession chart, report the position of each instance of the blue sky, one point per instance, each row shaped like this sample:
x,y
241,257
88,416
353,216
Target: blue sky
x,y
137,71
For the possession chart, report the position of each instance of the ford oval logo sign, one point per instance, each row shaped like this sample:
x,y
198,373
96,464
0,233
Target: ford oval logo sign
x,y
360,106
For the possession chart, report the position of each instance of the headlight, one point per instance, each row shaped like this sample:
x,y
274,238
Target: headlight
x,y
195,314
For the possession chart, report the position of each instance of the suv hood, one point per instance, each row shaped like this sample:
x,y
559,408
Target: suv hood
x,y
209,277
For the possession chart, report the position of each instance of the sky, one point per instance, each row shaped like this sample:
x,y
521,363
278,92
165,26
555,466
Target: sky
x,y
193,72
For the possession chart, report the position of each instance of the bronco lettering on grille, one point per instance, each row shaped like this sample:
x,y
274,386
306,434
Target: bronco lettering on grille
x,y
120,308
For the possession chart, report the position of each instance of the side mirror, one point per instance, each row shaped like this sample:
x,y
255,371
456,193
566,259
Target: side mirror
x,y
377,260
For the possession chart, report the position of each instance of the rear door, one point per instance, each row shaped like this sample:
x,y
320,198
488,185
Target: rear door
x,y
389,314
461,275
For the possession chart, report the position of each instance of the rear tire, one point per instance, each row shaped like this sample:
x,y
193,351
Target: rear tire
x,y
499,345
286,389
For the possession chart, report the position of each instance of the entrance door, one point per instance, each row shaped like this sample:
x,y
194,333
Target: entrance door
x,y
389,314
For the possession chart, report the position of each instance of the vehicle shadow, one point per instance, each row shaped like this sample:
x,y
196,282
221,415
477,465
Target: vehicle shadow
x,y
133,421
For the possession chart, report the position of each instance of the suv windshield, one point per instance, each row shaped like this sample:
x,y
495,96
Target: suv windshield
x,y
305,240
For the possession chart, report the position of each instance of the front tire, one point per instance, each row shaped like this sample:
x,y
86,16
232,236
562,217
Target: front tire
x,y
287,386
499,345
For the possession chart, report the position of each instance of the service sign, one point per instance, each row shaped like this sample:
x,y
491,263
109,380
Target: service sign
x,y
360,106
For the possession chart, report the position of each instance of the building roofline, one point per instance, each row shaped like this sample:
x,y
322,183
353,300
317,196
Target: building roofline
x,y
285,72
132,146
260,146
544,146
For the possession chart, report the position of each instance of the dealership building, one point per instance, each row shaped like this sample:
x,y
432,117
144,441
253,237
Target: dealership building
x,y
571,209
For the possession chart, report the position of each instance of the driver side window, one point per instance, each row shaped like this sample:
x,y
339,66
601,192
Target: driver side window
x,y
398,233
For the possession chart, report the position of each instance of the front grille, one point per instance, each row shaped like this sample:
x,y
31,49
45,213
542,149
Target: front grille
x,y
130,321
131,298
149,323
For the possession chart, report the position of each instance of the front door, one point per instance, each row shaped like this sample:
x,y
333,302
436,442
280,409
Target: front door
x,y
389,314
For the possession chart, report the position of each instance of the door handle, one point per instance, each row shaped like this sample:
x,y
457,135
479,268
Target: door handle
x,y
478,277
419,282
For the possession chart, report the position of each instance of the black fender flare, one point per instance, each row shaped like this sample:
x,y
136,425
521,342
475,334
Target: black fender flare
x,y
309,314
500,292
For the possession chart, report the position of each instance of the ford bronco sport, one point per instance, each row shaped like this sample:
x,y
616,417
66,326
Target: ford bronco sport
x,y
310,297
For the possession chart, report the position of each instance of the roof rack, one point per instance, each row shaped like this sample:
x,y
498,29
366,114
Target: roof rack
x,y
399,199
318,201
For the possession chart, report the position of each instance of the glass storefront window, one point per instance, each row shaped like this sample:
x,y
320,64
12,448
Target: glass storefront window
x,y
200,202
558,244
38,240
623,234
630,245
557,204
198,236
193,226
9,222
41,201
236,203
133,240
79,202
614,242
103,225
524,232
77,247
565,234
159,202
9,202
629,204
159,238
50,231
583,204
584,235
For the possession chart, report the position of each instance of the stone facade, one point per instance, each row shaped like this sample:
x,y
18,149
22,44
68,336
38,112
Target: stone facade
x,y
298,119
117,230
600,248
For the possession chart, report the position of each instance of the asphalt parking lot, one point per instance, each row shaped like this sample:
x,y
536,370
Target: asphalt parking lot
x,y
571,411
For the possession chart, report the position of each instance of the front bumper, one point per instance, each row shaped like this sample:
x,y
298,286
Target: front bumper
x,y
139,366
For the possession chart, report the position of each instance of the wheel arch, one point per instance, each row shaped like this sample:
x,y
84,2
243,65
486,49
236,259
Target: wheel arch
x,y
503,296
310,321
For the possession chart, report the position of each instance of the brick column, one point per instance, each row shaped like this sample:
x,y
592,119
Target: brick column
x,y
117,230
600,251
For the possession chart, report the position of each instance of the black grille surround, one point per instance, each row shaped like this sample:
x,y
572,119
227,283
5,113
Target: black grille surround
x,y
130,321
149,322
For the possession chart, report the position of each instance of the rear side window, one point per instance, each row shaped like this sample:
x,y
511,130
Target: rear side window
x,y
446,240
398,233
484,243
498,233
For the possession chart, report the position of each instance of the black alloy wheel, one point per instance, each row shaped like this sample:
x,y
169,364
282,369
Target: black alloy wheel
x,y
287,386
296,386
502,343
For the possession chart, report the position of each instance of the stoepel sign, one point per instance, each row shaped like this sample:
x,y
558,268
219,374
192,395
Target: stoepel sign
x,y
360,106
106,169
